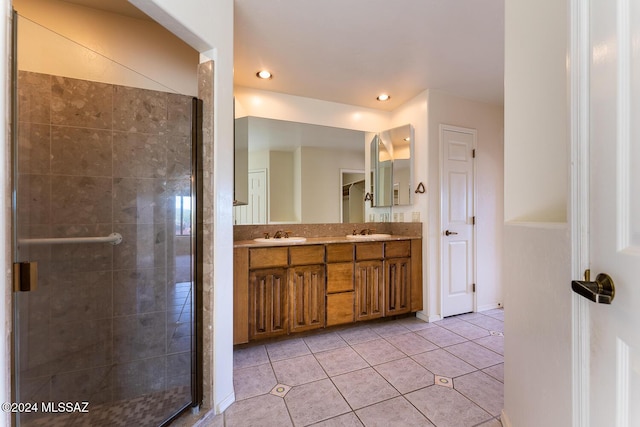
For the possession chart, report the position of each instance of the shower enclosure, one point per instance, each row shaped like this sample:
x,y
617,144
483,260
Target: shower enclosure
x,y
105,247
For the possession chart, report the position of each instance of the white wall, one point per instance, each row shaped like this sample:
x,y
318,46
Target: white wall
x,y
487,120
537,255
426,112
536,75
107,50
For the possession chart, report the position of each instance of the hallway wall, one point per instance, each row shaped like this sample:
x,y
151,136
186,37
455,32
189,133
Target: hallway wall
x,y
537,244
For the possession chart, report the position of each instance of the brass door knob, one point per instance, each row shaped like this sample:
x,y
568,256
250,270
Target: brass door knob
x,y
602,290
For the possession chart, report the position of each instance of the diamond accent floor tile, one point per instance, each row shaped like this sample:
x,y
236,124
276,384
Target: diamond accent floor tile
x,y
443,381
280,390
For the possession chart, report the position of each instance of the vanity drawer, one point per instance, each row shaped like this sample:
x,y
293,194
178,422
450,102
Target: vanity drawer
x,y
399,249
306,255
268,257
339,277
372,250
340,252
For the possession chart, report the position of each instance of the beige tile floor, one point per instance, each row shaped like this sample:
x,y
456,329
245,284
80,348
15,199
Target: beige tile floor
x,y
401,372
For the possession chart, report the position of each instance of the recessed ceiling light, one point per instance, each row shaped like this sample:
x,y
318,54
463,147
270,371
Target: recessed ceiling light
x,y
264,74
383,97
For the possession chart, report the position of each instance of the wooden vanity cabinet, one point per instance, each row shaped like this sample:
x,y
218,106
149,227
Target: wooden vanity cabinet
x,y
283,289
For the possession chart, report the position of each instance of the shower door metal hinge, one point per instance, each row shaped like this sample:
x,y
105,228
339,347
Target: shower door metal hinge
x,y
473,287
25,276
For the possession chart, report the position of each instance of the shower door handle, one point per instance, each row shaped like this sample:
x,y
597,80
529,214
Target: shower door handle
x,y
25,276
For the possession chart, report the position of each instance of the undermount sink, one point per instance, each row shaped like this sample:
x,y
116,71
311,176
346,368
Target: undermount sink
x,y
367,236
280,240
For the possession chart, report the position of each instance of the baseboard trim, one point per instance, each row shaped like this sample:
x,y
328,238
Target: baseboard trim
x,y
434,318
491,306
225,403
424,316
504,419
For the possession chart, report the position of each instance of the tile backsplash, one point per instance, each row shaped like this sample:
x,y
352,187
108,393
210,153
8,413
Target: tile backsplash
x,y
248,232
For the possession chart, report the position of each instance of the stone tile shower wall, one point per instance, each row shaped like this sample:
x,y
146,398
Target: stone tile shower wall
x,y
107,322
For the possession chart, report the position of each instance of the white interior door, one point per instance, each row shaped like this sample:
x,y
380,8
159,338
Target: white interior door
x,y
457,217
614,212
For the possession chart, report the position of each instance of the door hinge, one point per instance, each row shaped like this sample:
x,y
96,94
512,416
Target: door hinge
x,y
473,153
473,220
25,276
473,287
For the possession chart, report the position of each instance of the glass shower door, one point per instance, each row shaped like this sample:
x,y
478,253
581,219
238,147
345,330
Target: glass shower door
x,y
103,206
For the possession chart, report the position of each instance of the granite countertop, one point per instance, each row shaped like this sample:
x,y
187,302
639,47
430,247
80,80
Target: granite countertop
x,y
317,241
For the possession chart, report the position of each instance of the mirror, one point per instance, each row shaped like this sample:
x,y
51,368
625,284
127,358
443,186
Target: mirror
x,y
240,164
392,167
301,173
381,171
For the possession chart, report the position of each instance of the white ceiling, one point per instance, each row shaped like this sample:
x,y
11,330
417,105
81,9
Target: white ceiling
x,y
350,51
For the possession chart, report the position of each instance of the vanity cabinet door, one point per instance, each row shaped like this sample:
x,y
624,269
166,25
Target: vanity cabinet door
x,y
397,275
369,282
267,302
306,297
